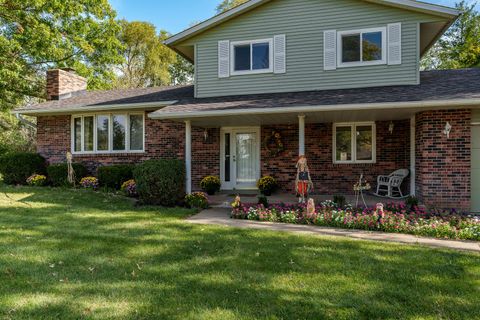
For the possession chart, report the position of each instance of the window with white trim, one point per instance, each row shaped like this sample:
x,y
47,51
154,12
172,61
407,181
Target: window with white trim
x,y
354,142
108,133
362,47
249,57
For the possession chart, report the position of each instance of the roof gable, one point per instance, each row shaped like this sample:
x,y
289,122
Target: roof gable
x,y
411,5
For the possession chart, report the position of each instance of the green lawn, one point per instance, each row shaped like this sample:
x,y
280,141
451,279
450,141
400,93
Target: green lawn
x,y
69,254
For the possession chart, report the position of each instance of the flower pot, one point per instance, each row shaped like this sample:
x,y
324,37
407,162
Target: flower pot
x,y
267,193
210,192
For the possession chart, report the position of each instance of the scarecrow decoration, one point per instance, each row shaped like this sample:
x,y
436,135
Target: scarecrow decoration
x,y
303,182
71,172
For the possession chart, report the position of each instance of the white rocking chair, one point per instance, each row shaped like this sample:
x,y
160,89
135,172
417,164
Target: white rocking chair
x,y
390,186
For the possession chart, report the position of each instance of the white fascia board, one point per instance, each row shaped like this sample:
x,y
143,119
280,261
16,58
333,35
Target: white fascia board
x,y
406,4
109,107
213,21
320,108
421,6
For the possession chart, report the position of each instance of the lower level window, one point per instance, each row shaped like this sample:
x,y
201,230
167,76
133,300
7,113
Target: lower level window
x,y
103,133
354,142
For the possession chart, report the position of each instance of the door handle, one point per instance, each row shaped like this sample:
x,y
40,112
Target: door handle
x,y
234,159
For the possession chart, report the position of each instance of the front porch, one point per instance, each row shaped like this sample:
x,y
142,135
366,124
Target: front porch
x,y
231,145
240,155
224,199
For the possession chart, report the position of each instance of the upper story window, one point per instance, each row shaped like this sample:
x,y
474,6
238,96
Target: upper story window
x,y
251,57
108,133
361,47
354,142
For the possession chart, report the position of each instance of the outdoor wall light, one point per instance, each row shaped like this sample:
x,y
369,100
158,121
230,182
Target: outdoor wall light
x,y
205,134
391,126
448,128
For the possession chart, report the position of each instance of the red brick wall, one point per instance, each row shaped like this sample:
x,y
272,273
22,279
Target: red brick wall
x,y
205,154
328,178
443,164
53,137
163,139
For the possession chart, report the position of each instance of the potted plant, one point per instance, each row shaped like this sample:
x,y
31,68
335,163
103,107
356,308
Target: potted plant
x,y
210,185
267,185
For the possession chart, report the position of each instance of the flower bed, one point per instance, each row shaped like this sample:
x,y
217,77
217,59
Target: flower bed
x,y
393,218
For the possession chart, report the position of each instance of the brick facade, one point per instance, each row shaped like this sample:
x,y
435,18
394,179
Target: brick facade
x,y
163,139
329,178
443,164
205,154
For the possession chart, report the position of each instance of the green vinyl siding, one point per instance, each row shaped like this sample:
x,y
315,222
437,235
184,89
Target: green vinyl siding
x,y
303,22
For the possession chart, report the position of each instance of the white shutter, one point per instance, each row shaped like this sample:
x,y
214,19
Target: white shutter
x,y
394,41
223,59
279,57
330,50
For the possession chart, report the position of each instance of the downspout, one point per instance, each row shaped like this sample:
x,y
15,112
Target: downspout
x,y
26,122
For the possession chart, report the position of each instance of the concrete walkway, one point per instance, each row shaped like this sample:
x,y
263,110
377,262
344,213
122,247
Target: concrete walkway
x,y
220,216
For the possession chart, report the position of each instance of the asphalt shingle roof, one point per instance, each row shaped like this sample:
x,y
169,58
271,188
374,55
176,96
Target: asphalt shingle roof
x,y
115,97
435,86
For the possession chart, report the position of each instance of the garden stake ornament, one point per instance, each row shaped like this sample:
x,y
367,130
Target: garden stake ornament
x,y
303,182
311,213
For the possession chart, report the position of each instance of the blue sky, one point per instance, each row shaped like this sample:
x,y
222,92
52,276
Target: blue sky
x,y
174,16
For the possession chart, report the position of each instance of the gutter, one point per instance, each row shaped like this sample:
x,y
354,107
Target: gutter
x,y
456,103
106,107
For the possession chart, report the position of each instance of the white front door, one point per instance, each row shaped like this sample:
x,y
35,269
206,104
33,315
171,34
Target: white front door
x,y
240,157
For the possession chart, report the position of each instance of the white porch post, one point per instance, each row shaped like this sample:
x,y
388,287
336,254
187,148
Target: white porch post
x,y
188,156
301,135
412,155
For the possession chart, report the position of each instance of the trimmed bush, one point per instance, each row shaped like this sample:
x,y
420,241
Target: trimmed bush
x,y
58,174
114,176
160,182
16,167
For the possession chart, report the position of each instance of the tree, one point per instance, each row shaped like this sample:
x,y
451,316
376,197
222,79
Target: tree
x,y
15,135
146,59
36,35
181,71
460,46
229,4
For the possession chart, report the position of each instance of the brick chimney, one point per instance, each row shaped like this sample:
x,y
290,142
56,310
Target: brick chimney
x,y
64,83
